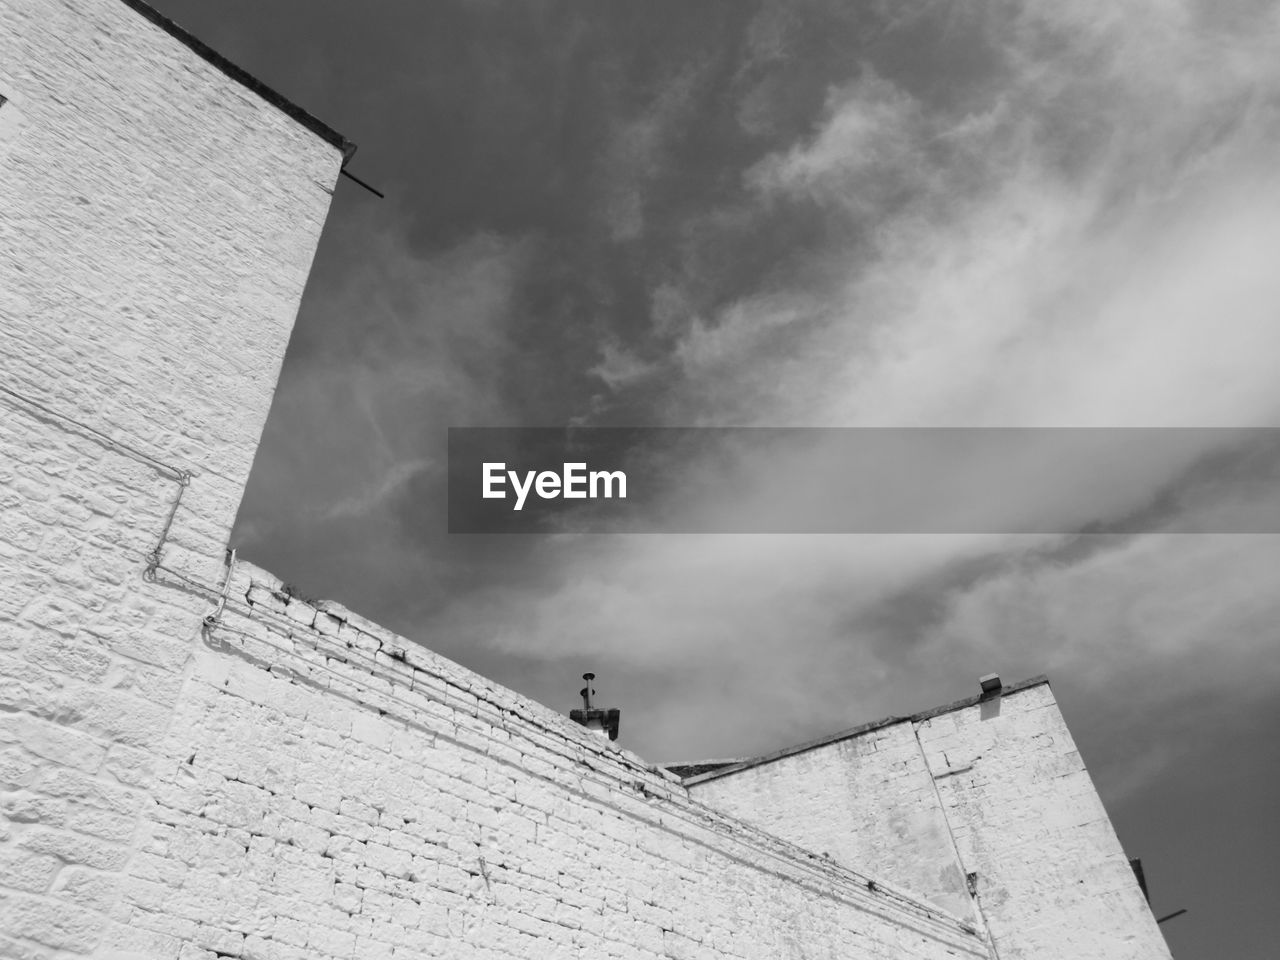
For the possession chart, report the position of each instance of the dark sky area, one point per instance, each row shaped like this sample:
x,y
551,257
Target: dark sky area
x,y
809,213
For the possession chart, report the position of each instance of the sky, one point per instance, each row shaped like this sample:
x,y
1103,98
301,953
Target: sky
x,y
810,213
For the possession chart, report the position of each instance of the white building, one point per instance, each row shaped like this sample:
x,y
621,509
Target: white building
x,y
194,764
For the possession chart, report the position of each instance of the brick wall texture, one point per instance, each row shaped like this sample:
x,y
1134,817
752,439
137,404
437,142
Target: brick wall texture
x,y
337,791
194,764
993,789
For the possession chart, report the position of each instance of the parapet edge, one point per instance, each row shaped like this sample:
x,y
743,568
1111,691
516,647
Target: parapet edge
x,y
246,79
730,769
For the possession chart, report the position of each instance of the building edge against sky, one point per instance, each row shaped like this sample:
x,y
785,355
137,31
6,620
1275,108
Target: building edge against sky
x,y
195,764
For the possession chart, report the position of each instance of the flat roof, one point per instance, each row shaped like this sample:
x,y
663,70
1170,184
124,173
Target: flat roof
x,y
243,77
723,769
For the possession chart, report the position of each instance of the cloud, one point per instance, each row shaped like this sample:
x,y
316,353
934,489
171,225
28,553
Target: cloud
x,y
1084,242
618,366
423,341
637,147
1170,637
867,150
1052,254
1072,226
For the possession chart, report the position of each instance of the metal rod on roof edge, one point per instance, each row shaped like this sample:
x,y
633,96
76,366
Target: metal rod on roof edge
x,y
1176,913
351,176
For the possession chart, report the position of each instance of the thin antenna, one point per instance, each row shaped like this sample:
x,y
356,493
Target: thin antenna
x,y
351,176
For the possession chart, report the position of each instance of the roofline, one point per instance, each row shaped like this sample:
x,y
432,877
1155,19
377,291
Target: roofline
x,y
694,763
861,729
243,77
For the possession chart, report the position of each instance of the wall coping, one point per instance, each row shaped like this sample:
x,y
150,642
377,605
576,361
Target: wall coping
x,y
727,769
244,78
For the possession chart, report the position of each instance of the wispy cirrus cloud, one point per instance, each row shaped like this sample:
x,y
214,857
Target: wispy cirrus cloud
x,y
1047,250
412,344
1072,232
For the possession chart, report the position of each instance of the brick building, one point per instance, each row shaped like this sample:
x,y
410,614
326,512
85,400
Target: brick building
x,y
983,806
194,764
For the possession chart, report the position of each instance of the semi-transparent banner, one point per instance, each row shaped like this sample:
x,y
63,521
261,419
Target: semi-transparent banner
x,y
864,480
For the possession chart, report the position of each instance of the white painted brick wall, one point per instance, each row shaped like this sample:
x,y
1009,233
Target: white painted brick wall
x,y
293,783
866,801
340,792
297,783
1053,880
996,789
157,222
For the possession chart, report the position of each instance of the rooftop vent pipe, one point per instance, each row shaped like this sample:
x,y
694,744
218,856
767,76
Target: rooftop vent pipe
x,y
604,722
